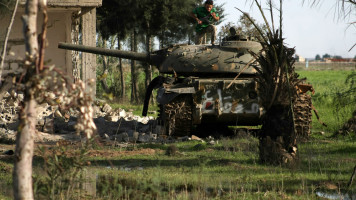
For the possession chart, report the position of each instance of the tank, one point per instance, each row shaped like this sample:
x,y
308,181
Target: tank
x,y
200,84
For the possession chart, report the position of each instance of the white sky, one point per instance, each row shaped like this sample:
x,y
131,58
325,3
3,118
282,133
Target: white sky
x,y
311,30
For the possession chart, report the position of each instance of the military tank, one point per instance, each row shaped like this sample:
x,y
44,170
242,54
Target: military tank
x,y
203,84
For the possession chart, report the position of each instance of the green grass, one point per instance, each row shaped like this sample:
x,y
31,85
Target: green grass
x,y
6,166
229,170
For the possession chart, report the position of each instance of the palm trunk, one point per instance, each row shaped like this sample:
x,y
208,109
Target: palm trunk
x,y
22,174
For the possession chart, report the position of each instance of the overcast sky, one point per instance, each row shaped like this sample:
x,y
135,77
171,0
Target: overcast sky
x,y
311,30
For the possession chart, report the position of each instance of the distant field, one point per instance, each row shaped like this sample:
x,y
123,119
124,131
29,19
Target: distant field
x,y
325,66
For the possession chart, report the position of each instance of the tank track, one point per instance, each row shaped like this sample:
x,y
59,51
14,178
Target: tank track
x,y
177,116
303,115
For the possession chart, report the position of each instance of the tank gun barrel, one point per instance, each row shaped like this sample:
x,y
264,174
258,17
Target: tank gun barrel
x,y
150,58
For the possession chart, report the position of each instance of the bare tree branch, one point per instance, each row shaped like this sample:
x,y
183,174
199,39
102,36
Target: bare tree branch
x,y
2,58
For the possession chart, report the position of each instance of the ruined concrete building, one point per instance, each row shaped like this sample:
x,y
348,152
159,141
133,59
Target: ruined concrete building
x,y
65,19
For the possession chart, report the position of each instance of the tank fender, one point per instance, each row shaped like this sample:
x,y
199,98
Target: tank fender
x,y
171,90
163,97
154,84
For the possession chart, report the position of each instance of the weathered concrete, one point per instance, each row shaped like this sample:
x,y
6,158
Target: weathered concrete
x,y
63,16
88,38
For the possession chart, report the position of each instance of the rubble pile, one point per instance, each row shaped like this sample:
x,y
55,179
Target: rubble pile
x,y
55,124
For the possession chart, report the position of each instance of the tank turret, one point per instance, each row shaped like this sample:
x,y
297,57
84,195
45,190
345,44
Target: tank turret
x,y
228,58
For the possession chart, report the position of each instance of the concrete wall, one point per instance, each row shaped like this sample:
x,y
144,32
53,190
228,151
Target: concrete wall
x,y
59,29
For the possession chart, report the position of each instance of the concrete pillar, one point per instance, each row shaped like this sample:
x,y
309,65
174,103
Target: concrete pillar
x,y
88,38
75,58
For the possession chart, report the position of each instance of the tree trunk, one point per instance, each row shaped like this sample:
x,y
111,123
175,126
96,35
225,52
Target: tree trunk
x,y
122,76
148,68
134,87
105,70
22,174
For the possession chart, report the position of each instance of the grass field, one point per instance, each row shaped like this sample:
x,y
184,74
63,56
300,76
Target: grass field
x,y
332,109
229,169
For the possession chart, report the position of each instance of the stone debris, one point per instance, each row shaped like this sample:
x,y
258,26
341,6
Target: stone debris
x,y
115,126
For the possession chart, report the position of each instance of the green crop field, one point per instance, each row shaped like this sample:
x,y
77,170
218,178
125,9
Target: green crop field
x,y
332,108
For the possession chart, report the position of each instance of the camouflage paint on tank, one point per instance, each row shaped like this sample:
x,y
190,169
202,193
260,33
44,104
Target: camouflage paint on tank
x,y
230,57
241,99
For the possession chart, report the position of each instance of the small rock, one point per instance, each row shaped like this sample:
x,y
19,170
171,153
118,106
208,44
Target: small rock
x,y
143,138
13,94
106,108
57,113
20,97
106,137
66,116
41,122
12,103
48,126
159,130
6,95
153,136
294,149
7,111
122,113
322,133
196,138
125,137
112,118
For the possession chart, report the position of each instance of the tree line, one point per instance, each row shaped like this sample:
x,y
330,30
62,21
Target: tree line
x,y
139,22
325,56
